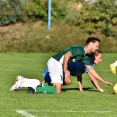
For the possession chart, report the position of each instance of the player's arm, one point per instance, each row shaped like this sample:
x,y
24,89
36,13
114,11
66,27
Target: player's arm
x,y
94,82
79,79
96,75
65,63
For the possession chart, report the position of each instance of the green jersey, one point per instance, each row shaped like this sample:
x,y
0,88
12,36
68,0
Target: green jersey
x,y
78,54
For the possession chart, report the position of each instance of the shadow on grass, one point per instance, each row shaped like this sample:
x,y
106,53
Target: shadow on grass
x,y
84,89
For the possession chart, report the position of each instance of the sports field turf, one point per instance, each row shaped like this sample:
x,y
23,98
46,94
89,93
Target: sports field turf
x,y
70,103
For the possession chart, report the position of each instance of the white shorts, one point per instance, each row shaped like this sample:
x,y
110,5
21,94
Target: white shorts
x,y
55,71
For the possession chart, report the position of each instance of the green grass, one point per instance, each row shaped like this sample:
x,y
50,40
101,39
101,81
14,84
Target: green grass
x,y
70,103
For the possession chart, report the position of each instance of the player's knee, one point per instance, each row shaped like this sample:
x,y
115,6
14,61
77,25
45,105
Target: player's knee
x,y
58,91
58,87
68,81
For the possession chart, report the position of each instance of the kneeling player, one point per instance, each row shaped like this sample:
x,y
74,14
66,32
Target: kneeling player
x,y
78,68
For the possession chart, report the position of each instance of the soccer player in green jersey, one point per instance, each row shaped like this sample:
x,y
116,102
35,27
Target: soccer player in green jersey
x,y
58,63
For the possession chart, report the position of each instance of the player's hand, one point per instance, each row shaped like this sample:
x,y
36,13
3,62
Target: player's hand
x,y
108,83
67,73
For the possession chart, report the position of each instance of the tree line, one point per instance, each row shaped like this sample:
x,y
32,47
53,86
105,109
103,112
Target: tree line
x,y
100,16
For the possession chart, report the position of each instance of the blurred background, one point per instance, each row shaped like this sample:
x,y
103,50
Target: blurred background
x,y
24,24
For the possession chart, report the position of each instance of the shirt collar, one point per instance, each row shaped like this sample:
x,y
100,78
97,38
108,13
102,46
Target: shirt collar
x,y
84,50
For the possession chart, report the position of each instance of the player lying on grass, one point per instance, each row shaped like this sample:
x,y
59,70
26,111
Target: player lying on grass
x,y
76,69
22,82
33,85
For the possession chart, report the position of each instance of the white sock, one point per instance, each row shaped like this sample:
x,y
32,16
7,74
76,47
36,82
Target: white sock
x,y
29,83
115,63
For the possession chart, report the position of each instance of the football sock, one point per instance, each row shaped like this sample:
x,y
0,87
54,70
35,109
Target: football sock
x,y
115,63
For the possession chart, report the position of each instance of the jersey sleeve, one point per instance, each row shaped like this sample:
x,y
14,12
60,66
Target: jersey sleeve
x,y
77,53
86,70
91,63
85,60
76,50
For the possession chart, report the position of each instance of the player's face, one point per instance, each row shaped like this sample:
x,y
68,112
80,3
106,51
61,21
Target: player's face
x,y
98,58
94,46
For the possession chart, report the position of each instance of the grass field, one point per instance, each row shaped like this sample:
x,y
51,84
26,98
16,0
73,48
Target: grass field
x,y
70,103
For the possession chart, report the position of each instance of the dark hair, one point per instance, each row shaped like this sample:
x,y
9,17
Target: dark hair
x,y
92,39
96,52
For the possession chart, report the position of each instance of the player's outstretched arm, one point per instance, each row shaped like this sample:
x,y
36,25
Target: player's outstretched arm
x,y
96,75
94,82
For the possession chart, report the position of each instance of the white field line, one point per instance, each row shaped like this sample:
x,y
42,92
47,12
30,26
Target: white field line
x,y
71,111
62,111
24,113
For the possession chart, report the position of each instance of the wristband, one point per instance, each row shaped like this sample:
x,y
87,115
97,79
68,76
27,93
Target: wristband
x,y
101,90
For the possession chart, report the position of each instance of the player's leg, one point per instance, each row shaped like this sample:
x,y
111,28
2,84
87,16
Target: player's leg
x,y
79,80
29,83
113,67
74,69
16,86
24,82
55,73
57,81
47,79
58,87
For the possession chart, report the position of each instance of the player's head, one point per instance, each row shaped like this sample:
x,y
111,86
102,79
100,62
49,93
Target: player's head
x,y
92,43
97,56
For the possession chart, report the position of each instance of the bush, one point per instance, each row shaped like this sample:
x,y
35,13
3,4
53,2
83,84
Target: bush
x,y
38,9
11,11
97,17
